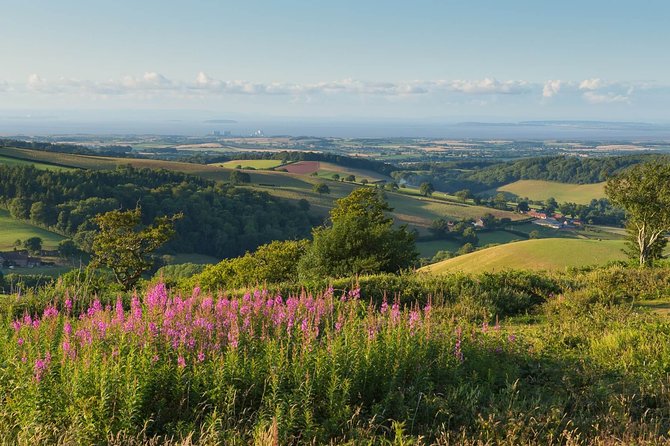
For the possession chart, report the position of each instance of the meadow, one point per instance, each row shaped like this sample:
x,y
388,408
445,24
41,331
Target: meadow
x,y
12,229
541,254
21,162
250,164
411,209
509,358
561,192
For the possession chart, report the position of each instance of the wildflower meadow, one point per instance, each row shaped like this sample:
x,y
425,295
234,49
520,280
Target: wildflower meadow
x,y
321,368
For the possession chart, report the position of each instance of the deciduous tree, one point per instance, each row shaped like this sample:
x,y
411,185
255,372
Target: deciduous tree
x,y
644,192
360,239
125,247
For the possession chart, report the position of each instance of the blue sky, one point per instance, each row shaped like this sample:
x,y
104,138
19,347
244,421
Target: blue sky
x,y
466,60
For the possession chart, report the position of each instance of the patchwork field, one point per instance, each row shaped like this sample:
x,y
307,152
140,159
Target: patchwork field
x,y
562,192
327,170
414,210
12,229
543,254
21,162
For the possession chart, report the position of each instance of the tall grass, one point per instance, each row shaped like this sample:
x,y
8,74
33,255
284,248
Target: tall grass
x,y
334,368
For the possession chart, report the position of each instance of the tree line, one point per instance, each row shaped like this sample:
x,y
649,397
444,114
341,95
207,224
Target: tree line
x,y
219,220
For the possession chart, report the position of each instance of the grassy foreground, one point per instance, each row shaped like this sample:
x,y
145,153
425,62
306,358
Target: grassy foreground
x,y
569,362
541,254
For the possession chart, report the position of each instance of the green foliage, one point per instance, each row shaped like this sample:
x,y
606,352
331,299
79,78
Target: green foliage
x,y
173,275
361,239
466,249
463,194
67,249
272,263
571,362
125,248
426,189
219,220
238,177
644,192
321,188
33,245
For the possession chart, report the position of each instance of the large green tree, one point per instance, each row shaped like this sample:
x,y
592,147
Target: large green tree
x,y
33,245
644,192
360,239
125,246
426,189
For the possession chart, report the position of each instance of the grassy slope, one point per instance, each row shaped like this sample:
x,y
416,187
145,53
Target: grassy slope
x,y
255,164
562,192
12,229
417,211
328,169
21,162
543,254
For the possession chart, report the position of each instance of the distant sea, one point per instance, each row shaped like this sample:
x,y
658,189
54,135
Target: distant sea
x,y
49,125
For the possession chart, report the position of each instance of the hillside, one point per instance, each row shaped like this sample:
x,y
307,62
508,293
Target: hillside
x,y
542,254
562,192
413,210
12,229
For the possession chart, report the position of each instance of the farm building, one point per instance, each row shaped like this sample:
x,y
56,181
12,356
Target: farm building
x,y
20,259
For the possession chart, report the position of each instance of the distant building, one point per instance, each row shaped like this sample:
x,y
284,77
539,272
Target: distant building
x,y
548,222
538,214
20,259
479,223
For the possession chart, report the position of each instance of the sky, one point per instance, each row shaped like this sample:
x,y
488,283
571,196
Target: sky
x,y
475,60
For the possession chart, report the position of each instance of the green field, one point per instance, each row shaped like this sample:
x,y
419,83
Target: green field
x,y
21,162
429,249
414,210
250,164
562,192
12,229
543,254
327,170
497,237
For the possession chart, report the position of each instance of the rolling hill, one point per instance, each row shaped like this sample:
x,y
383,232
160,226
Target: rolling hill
x,y
562,192
416,211
541,254
12,229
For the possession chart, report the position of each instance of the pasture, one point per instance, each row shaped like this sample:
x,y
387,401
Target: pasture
x,y
561,192
542,254
12,229
9,161
250,164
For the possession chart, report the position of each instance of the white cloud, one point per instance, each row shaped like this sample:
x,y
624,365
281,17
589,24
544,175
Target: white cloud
x,y
152,83
605,98
35,82
490,86
591,84
551,88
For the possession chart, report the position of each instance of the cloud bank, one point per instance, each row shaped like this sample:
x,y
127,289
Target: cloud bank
x,y
154,85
